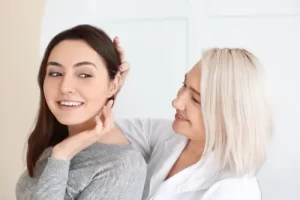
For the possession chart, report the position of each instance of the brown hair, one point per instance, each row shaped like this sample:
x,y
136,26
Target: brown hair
x,y
48,131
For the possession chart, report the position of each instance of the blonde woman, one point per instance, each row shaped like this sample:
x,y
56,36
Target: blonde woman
x,y
218,139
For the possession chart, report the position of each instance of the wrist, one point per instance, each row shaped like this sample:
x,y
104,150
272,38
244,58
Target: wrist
x,y
60,155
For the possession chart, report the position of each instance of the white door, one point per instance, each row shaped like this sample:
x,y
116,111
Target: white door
x,y
164,38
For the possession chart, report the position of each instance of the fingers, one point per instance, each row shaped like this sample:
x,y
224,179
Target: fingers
x,y
124,67
99,125
122,53
120,50
116,41
111,119
69,147
107,115
91,136
109,104
124,64
106,120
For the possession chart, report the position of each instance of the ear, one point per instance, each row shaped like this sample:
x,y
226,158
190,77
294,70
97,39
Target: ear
x,y
114,85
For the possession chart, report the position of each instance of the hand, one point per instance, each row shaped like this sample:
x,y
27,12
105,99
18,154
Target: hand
x,y
124,67
70,146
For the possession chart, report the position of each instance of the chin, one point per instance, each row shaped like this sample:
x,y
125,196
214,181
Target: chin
x,y
71,121
180,128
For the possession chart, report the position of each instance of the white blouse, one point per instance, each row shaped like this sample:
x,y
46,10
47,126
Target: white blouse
x,y
161,147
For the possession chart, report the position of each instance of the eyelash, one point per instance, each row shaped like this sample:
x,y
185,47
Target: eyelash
x,y
195,100
59,74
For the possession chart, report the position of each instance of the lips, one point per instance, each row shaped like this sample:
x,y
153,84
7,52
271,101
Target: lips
x,y
180,117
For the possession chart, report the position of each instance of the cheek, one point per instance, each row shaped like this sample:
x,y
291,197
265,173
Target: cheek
x,y
49,89
95,93
196,118
201,125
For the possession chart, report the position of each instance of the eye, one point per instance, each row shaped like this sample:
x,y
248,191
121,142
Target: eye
x,y
184,85
54,74
195,100
85,75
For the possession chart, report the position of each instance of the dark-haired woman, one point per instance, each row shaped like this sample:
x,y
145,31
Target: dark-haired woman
x,y
78,80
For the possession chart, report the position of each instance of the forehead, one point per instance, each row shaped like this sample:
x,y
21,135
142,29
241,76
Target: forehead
x,y
193,76
72,51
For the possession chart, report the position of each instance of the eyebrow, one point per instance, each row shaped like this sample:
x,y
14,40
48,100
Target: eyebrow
x,y
79,64
193,89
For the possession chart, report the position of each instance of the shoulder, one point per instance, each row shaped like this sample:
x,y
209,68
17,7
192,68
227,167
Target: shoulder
x,y
143,122
132,161
21,184
125,165
121,157
234,188
25,185
25,180
160,124
153,126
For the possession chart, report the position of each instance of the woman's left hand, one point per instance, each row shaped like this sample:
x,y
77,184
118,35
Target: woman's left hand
x,y
70,146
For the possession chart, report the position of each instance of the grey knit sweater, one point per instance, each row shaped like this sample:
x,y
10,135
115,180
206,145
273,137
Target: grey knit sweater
x,y
101,171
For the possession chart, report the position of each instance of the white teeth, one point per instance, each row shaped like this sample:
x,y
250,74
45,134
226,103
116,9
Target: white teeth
x,y
70,103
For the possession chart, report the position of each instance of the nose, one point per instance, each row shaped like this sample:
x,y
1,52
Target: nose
x,y
179,102
67,85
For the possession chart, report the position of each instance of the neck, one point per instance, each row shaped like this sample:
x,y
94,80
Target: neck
x,y
195,148
78,128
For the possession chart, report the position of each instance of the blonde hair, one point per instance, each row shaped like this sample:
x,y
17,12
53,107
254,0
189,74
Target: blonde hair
x,y
236,109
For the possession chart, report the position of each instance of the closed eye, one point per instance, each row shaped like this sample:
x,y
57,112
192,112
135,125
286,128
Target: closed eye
x,y
195,100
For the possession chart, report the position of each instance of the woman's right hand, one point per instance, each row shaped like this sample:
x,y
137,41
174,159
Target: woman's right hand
x,y
70,146
124,67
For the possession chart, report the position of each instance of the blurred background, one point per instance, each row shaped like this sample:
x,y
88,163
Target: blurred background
x,y
163,39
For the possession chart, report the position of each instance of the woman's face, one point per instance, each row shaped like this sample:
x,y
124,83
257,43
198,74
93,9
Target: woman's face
x,y
76,84
188,119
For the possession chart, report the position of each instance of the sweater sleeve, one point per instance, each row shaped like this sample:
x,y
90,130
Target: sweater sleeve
x,y
145,134
52,183
123,180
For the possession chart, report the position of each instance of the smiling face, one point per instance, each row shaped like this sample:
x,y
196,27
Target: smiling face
x,y
188,119
76,84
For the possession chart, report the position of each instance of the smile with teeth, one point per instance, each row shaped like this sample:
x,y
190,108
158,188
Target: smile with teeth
x,y
70,103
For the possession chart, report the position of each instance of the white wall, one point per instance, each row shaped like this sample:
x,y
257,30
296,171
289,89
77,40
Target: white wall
x,y
164,38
